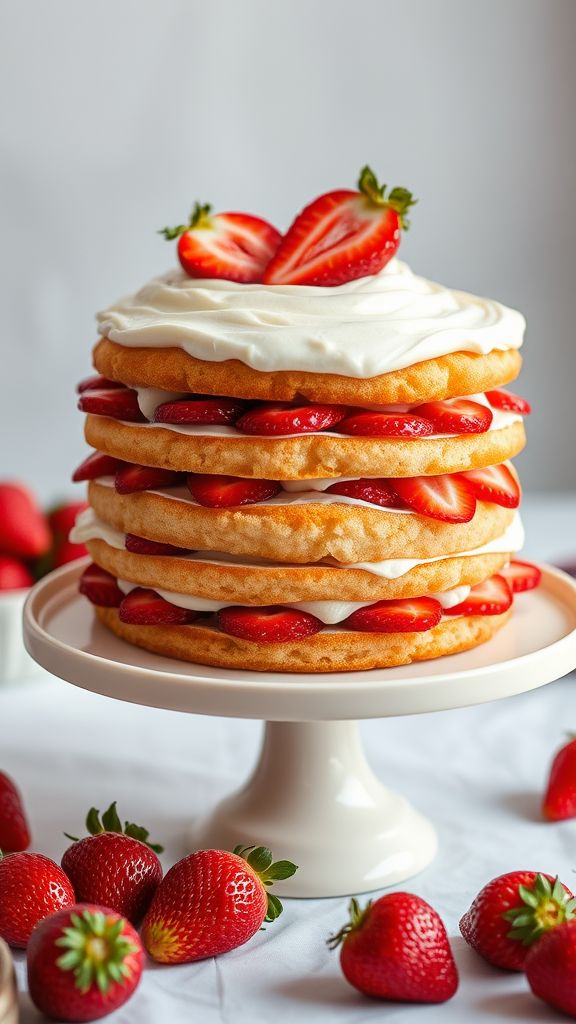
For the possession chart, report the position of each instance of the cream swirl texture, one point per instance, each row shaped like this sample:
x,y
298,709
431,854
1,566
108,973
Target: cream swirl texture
x,y
361,329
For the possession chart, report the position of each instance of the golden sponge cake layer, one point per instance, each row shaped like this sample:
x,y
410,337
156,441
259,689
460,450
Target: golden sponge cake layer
x,y
460,373
296,532
310,456
328,651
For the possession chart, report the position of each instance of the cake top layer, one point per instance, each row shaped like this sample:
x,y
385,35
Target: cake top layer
x,y
363,328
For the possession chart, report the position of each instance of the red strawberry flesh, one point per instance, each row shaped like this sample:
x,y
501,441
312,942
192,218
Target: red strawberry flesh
x,y
492,597
215,491
130,478
232,246
200,410
141,546
521,576
375,491
385,424
97,464
509,402
118,403
100,587
448,497
495,484
279,419
456,416
98,383
268,625
406,615
144,607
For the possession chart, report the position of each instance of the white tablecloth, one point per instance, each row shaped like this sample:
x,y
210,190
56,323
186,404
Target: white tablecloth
x,y
478,773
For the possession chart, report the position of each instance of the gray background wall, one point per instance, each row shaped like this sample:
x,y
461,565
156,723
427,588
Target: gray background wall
x,y
117,115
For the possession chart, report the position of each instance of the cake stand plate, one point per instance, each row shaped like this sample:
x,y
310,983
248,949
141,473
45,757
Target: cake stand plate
x,y
312,796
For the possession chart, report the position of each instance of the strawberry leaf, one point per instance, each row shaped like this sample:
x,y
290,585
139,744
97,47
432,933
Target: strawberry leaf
x,y
260,859
110,819
279,870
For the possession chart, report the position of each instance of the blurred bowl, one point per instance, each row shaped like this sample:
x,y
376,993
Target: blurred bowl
x,y
8,990
16,665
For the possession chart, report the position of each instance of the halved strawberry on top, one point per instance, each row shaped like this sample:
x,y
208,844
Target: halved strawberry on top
x,y
456,416
496,484
216,491
342,235
232,246
492,597
448,497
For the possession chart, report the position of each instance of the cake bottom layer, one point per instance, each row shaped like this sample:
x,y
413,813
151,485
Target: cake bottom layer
x,y
328,651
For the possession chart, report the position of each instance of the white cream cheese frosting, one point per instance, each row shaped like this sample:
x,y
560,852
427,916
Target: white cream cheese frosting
x,y
89,527
361,329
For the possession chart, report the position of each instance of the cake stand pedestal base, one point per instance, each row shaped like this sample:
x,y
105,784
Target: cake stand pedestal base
x,y
313,799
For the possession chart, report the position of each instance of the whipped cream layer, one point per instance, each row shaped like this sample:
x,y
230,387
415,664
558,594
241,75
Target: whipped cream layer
x,y
361,329
89,527
329,612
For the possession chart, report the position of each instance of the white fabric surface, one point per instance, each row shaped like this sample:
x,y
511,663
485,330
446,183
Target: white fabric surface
x,y
477,772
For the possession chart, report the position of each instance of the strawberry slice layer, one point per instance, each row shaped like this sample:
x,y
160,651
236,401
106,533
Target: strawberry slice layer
x,y
141,546
509,402
225,491
270,625
118,403
100,587
97,383
456,416
342,235
495,484
233,246
492,597
448,497
409,615
281,418
200,409
521,576
386,424
130,478
143,607
97,464
376,491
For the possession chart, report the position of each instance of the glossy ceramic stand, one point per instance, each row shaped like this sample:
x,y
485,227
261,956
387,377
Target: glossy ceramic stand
x,y
312,795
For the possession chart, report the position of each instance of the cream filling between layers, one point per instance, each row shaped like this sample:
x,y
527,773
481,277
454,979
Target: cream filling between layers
x,y
89,527
329,612
361,329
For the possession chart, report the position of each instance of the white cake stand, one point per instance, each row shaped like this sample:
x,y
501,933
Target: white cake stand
x,y
312,796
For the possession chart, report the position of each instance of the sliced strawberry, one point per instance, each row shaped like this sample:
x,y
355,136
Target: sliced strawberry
x,y
281,418
97,383
385,424
141,546
447,497
130,478
509,402
456,416
521,576
492,597
224,491
119,403
200,409
377,492
271,625
142,607
409,615
495,484
233,246
97,464
342,235
100,587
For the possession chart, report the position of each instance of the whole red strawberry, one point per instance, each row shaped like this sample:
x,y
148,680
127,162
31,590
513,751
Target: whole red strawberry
x,y
23,528
115,865
31,887
513,910
83,963
397,949
211,902
14,830
551,968
560,797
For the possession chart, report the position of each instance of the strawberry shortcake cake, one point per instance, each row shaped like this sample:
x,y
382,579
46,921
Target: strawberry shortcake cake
x,y
302,449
